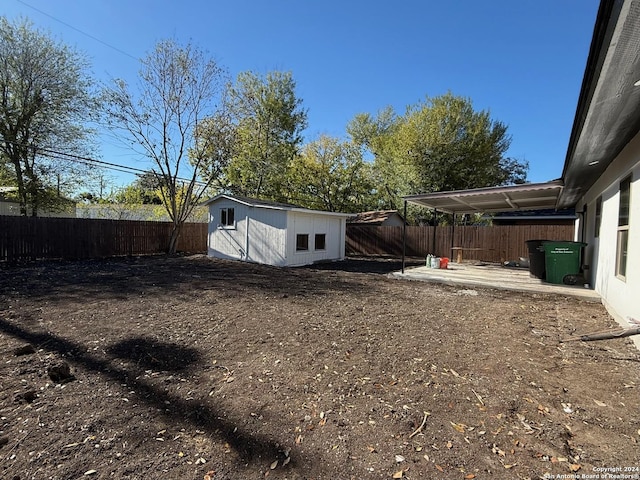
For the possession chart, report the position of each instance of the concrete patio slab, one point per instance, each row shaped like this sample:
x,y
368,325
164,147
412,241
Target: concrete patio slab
x,y
494,276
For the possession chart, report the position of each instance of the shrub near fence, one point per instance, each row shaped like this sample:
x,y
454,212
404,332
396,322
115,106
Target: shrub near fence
x,y
483,243
78,238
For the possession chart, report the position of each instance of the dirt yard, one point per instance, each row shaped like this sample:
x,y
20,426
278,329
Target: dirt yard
x,y
192,368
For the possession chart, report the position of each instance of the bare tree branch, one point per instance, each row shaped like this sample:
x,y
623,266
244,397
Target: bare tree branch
x,y
178,86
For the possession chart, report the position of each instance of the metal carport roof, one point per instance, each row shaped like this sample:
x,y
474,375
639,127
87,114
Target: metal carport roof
x,y
527,196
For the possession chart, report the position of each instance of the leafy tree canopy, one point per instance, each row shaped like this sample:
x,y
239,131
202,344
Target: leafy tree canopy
x,y
255,136
46,102
145,190
331,175
440,144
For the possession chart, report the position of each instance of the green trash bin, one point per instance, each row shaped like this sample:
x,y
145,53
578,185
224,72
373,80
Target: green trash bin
x,y
562,259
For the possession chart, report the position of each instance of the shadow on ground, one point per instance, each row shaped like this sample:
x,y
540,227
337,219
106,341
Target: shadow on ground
x,y
249,447
377,265
154,355
120,278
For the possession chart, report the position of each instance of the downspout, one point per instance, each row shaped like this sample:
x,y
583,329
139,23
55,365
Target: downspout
x,y
343,236
585,267
583,223
246,238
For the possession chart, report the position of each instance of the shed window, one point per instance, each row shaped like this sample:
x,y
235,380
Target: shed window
x,y
320,241
623,228
226,217
302,242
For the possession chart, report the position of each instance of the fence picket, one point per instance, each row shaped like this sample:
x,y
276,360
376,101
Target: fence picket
x,y
25,238
77,238
496,243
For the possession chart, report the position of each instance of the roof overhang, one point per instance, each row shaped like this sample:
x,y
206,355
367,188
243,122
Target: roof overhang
x,y
528,196
607,112
267,204
606,120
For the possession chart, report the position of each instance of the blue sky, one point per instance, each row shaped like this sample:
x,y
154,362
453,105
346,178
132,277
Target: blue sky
x,y
521,60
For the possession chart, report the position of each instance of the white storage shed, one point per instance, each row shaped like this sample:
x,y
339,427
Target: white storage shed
x,y
272,233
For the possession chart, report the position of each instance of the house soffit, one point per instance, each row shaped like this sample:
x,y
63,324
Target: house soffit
x,y
607,114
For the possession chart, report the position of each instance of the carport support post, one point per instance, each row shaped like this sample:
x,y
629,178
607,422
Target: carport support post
x,y
435,225
453,234
404,235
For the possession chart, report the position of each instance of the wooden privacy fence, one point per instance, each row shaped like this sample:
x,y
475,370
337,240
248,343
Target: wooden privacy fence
x,y
482,243
76,238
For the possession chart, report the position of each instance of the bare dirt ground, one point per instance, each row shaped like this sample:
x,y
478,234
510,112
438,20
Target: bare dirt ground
x,y
192,368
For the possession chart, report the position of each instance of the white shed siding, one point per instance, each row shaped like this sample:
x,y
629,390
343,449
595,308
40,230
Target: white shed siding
x,y
618,294
311,224
267,236
266,233
258,234
227,242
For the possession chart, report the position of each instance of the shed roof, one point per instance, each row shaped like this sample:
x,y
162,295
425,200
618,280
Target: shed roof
x,y
269,204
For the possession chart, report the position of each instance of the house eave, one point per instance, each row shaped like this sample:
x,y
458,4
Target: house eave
x,y
606,116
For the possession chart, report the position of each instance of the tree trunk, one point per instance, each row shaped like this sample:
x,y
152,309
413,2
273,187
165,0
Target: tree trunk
x,y
174,237
22,192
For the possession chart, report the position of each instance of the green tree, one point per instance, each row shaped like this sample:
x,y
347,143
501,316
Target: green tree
x,y
267,122
7,174
440,144
216,141
46,101
393,176
133,194
373,132
454,147
331,175
177,90
145,190
98,191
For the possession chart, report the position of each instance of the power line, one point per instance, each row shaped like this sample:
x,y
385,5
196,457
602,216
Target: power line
x,y
86,160
115,167
109,165
78,30
92,161
55,154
